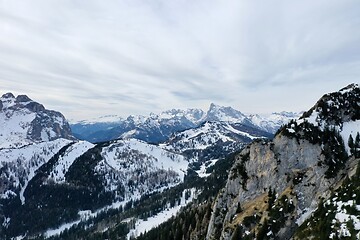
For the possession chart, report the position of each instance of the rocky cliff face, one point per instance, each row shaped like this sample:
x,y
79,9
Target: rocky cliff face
x,y
274,186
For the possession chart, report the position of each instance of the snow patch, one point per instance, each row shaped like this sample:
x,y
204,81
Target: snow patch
x,y
306,213
142,226
202,172
349,128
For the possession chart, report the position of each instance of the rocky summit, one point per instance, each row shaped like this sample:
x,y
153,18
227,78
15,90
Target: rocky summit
x,y
24,121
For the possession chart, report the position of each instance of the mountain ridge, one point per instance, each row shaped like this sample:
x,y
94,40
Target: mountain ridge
x,y
158,127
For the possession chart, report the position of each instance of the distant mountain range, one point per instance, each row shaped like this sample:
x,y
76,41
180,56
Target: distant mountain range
x,y
157,128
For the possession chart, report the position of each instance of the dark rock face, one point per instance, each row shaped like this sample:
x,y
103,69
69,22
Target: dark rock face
x,y
1,105
47,121
23,98
8,95
35,107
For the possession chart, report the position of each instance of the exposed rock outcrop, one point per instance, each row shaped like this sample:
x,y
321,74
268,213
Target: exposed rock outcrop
x,y
274,186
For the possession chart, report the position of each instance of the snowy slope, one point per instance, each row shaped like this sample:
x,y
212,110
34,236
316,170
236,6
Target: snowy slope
x,y
14,124
202,137
64,162
224,114
19,165
139,167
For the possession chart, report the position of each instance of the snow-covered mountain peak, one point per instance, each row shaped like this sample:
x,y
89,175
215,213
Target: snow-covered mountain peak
x,y
24,121
223,114
191,114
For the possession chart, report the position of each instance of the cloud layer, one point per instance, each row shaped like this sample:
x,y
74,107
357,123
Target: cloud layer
x,y
90,58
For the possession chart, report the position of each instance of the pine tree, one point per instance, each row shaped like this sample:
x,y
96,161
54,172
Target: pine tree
x,y
237,233
351,145
357,145
238,208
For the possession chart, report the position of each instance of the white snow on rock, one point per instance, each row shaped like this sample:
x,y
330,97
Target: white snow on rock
x,y
21,117
14,127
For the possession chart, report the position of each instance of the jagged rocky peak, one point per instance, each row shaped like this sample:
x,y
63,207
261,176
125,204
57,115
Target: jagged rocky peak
x,y
27,121
191,114
226,114
23,98
8,100
8,95
274,186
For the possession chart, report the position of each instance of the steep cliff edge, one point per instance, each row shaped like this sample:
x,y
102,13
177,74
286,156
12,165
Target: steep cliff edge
x,y
274,186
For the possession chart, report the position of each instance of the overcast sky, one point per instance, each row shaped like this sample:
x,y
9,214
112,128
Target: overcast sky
x,y
91,58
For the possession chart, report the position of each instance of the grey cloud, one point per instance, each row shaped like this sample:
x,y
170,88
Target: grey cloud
x,y
123,57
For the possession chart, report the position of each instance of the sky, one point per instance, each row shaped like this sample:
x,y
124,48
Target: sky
x,y
93,58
